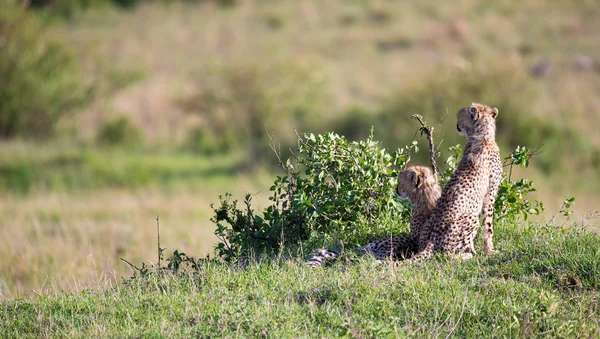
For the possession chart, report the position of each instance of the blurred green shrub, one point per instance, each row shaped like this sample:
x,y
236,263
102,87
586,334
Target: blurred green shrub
x,y
67,8
352,123
244,104
202,141
119,132
379,15
274,21
17,177
70,8
39,81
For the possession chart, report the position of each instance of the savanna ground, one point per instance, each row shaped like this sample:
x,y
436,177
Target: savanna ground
x,y
545,283
198,83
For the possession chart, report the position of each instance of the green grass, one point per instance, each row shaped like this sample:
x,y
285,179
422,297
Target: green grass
x,y
544,283
26,167
69,212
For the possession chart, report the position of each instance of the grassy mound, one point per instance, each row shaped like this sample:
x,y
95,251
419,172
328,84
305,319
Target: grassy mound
x,y
544,282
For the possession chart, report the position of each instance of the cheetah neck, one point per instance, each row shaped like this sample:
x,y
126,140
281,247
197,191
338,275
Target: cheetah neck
x,y
483,138
479,144
485,131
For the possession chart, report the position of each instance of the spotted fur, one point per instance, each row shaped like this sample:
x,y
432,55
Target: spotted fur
x,y
470,192
416,183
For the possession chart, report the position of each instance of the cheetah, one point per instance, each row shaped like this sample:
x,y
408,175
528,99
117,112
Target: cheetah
x,y
418,184
471,191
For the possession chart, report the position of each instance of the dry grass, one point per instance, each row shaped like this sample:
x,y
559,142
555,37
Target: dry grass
x,y
60,242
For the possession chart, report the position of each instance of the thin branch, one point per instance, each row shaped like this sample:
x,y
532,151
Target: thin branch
x,y
158,238
224,240
562,210
302,141
443,138
508,160
441,142
428,131
275,150
507,213
131,265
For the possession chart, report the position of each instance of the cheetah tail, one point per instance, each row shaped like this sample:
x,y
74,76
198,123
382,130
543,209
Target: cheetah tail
x,y
321,256
423,255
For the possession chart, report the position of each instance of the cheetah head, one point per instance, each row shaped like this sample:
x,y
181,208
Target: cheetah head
x,y
473,118
412,179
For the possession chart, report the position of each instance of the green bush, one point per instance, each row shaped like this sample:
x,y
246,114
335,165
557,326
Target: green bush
x,y
119,132
333,190
39,81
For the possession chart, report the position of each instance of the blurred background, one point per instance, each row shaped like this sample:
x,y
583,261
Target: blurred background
x,y
114,112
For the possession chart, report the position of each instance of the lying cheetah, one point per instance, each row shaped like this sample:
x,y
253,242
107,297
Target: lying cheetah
x,y
416,183
471,190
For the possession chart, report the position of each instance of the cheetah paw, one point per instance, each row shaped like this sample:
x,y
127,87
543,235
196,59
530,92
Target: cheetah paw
x,y
491,251
463,256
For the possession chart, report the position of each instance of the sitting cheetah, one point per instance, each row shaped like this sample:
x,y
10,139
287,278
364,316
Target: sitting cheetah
x,y
416,183
471,190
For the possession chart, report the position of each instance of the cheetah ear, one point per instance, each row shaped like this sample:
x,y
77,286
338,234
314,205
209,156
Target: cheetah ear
x,y
420,180
494,112
473,111
412,176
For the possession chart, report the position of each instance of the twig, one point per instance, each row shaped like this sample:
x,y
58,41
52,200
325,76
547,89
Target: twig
x,y
302,141
428,131
562,210
158,236
277,152
508,160
586,218
130,264
445,116
507,213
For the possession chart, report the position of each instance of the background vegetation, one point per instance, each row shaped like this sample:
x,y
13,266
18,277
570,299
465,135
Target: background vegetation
x,y
114,112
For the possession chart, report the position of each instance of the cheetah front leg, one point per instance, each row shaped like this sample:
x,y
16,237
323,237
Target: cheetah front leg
x,y
487,213
470,226
471,243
